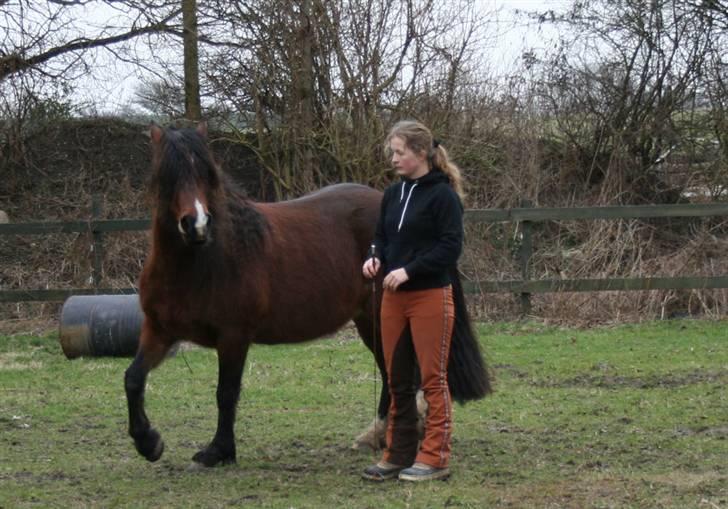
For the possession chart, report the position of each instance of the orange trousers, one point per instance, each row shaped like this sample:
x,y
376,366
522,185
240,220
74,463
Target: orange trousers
x,y
416,330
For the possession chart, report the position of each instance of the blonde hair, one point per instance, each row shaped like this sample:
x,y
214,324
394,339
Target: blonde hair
x,y
418,138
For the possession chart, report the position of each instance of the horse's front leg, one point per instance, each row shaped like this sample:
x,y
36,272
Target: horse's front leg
x,y
152,350
231,360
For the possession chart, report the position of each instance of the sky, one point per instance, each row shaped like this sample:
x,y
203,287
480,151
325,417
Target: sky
x,y
111,87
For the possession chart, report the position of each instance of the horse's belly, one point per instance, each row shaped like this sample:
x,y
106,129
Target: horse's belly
x,y
306,322
294,331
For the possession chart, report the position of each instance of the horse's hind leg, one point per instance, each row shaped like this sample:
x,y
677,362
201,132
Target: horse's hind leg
x,y
231,360
374,437
152,351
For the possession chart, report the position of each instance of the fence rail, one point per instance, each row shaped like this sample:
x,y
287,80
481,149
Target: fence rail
x,y
92,226
525,215
611,212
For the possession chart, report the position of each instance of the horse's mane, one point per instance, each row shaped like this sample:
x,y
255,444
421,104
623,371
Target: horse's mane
x,y
247,224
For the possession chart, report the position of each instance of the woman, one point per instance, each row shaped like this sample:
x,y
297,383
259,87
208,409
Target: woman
x,y
418,240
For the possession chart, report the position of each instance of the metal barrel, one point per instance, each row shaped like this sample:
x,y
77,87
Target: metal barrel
x,y
101,325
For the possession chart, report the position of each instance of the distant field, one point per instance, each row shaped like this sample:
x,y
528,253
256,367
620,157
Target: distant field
x,y
632,416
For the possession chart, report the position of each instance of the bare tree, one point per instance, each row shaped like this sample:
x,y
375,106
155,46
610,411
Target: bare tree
x,y
323,79
616,86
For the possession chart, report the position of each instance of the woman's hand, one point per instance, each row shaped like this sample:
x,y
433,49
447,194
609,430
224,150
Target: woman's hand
x,y
371,267
394,279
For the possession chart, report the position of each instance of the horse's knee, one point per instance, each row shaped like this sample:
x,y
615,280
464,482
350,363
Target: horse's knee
x,y
134,380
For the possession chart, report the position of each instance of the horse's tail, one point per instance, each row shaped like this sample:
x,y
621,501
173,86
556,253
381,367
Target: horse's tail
x,y
466,371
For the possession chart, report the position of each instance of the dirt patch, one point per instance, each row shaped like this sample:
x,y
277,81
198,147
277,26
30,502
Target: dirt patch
x,y
665,381
510,370
30,477
614,491
570,493
720,432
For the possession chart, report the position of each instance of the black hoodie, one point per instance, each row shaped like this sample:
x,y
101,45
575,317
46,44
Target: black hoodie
x,y
420,229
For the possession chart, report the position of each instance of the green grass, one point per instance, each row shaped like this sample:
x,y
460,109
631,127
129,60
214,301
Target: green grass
x,y
632,416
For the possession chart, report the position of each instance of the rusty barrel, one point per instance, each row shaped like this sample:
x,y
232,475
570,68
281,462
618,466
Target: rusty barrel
x,y
100,325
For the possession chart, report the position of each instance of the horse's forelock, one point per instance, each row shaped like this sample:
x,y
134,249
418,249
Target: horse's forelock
x,y
184,160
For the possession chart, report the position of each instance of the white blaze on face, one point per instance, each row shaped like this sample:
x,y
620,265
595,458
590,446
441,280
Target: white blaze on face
x,y
201,222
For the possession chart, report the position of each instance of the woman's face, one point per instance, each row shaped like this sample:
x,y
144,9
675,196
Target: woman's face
x,y
406,162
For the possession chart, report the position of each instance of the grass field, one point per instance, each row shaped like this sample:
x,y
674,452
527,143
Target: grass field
x,y
630,416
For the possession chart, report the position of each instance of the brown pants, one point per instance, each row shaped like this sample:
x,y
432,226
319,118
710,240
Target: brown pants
x,y
430,315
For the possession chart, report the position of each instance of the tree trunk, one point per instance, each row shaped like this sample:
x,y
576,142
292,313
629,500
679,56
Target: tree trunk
x,y
305,93
193,110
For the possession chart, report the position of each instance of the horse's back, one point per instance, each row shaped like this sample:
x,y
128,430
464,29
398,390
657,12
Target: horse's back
x,y
343,208
338,197
347,188
357,203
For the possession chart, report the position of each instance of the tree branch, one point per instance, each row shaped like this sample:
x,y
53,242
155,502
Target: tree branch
x,y
15,63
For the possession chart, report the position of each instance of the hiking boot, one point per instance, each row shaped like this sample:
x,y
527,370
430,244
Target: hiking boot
x,y
422,472
381,471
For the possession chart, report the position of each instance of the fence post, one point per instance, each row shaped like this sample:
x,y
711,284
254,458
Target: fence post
x,y
98,240
524,258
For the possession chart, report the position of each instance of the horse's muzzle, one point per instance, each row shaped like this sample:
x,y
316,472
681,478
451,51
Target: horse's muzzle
x,y
196,230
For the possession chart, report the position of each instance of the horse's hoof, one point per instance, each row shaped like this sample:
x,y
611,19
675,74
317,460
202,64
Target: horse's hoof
x,y
362,445
151,446
211,456
195,467
373,438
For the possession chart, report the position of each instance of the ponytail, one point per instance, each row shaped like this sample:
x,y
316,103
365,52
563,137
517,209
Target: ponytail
x,y
440,160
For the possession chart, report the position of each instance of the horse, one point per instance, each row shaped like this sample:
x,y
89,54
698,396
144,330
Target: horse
x,y
224,272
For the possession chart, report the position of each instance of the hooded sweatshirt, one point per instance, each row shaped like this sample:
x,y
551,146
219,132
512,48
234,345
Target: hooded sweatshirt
x,y
420,229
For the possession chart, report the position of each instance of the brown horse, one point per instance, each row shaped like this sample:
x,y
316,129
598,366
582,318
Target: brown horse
x,y
225,272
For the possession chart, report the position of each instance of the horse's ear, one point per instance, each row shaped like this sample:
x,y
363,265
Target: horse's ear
x,y
156,133
202,129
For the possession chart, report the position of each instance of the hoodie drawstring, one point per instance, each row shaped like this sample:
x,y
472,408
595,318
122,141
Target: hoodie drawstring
x,y
409,195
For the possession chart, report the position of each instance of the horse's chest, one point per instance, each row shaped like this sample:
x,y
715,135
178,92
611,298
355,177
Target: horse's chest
x,y
181,317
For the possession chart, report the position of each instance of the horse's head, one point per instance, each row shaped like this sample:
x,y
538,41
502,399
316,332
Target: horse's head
x,y
186,182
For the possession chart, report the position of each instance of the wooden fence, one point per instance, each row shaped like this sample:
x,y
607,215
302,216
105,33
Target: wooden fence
x,y
523,287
